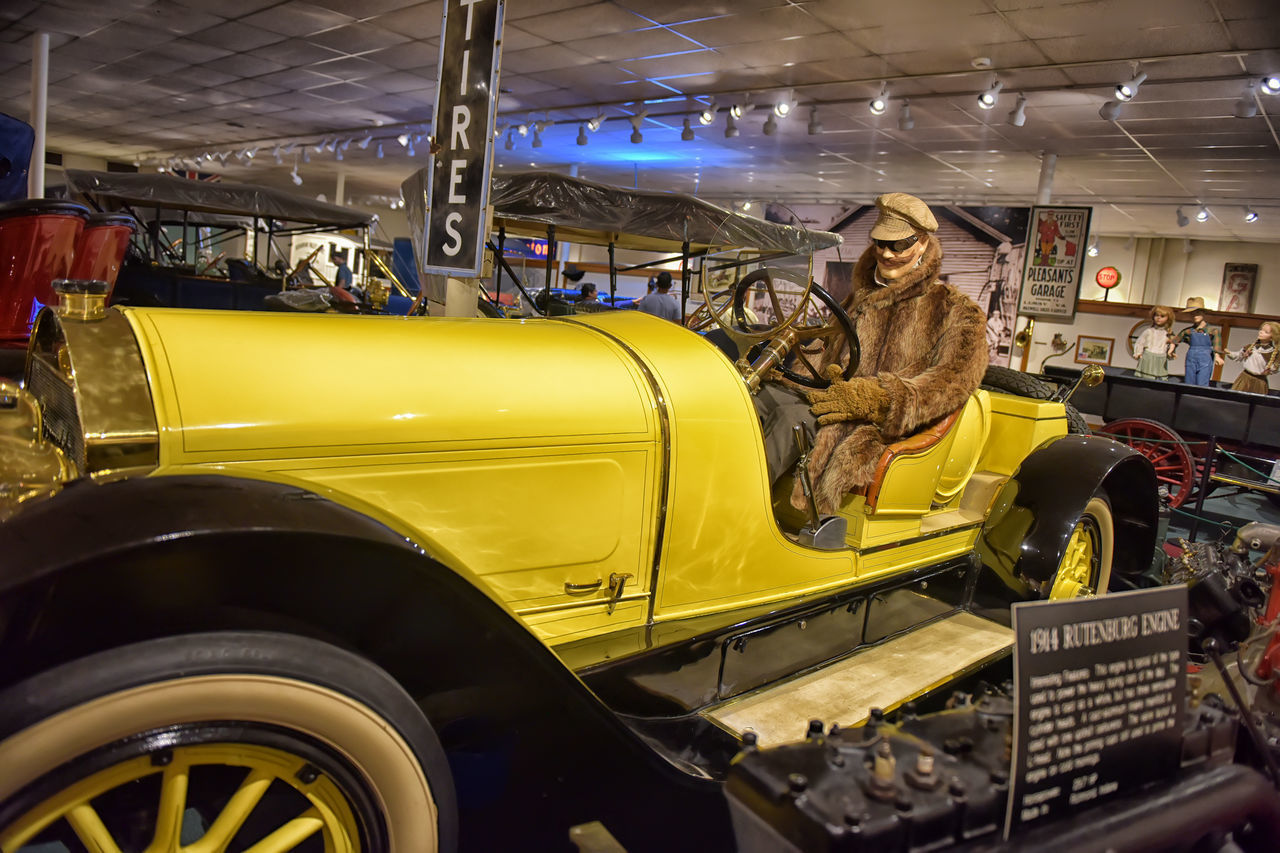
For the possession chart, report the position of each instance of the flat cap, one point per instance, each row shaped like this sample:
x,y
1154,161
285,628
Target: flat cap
x,y
900,216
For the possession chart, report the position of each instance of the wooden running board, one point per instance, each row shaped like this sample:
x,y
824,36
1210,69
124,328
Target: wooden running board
x,y
884,676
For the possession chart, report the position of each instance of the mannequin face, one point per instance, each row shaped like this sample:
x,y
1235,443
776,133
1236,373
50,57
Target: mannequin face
x,y
1264,333
891,265
1197,320
1160,320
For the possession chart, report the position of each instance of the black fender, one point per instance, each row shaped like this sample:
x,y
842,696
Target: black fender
x,y
1031,520
103,565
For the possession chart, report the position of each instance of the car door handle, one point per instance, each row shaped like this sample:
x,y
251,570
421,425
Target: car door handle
x,y
583,588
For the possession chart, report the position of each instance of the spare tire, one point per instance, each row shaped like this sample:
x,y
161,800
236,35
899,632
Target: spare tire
x,y
1012,381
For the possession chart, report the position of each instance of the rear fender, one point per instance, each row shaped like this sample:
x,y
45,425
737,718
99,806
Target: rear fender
x,y
1032,519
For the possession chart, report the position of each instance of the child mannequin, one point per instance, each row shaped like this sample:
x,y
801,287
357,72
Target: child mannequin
x,y
1261,359
1205,344
1151,349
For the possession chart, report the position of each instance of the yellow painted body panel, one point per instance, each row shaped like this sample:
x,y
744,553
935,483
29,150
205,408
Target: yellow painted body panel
x,y
529,455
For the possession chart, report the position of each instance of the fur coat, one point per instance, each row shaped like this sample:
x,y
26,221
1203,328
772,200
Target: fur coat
x,y
923,345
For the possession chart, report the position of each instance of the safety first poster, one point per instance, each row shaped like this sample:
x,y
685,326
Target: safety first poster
x,y
1051,273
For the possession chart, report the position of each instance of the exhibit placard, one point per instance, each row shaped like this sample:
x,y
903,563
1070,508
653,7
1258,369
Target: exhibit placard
x,y
1054,262
466,101
1100,686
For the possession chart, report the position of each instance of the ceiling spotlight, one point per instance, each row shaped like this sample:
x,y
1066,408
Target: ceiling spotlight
x,y
1128,90
740,109
331,144
306,156
511,140
275,152
636,121
783,108
1110,110
408,150
987,100
880,102
337,154
730,126
321,144
1018,115
771,125
1183,222
378,151
746,205
593,124
297,179
1271,84
708,114
686,135
815,126
1247,106
1202,215
364,143
582,134
522,129
905,121
537,135
1187,246
1250,215
1092,251
403,139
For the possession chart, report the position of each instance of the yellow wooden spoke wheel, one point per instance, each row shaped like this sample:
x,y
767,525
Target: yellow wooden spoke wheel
x,y
1085,568
260,743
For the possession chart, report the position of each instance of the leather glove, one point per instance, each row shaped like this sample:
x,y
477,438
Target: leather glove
x,y
856,400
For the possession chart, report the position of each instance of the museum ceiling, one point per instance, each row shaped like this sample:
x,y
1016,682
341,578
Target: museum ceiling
x,y
301,82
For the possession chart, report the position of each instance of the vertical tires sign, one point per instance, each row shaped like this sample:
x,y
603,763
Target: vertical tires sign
x,y
466,101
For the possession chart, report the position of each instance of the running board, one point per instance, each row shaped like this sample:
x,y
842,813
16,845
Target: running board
x,y
883,676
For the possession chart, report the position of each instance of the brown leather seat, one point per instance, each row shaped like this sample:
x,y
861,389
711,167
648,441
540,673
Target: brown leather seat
x,y
911,445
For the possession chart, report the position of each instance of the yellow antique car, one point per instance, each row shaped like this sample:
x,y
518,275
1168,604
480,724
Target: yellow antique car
x,y
376,583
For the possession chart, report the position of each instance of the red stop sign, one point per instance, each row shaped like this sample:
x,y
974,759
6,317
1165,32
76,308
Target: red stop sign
x,y
1107,277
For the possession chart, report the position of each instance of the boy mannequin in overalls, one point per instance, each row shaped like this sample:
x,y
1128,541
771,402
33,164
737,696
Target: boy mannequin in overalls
x,y
1204,342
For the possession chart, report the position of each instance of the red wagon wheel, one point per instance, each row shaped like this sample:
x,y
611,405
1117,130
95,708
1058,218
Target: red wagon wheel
x,y
1169,453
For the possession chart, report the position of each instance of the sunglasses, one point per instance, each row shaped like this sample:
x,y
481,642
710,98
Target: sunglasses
x,y
897,245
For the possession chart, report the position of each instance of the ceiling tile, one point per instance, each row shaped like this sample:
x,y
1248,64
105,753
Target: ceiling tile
x,y
638,45
189,51
244,65
412,56
296,52
235,36
173,18
357,38
598,19
752,27
514,38
295,18
543,59
421,21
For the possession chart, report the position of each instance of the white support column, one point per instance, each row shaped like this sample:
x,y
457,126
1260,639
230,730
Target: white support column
x,y
39,110
339,191
1048,162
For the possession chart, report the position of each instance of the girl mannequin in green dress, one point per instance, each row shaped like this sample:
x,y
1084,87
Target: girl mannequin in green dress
x,y
1151,349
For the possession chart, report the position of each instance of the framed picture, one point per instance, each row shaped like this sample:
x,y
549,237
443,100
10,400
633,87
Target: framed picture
x,y
1091,350
1238,284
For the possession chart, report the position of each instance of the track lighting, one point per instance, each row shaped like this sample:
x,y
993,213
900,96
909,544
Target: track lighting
x,y
593,124
636,120
522,129
1271,84
740,109
409,149
403,139
378,152
1202,215
1018,115
880,102
1250,215
582,133
708,114
783,108
1092,251
511,140
297,179
1128,90
331,144
275,152
730,126
321,145
905,121
306,156
771,125
815,126
537,135
1247,106
337,153
686,135
364,143
1183,222
1110,110
987,100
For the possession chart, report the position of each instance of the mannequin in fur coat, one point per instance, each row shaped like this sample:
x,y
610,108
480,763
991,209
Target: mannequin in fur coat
x,y
924,351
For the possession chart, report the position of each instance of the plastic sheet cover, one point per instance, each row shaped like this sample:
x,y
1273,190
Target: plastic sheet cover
x,y
552,199
166,191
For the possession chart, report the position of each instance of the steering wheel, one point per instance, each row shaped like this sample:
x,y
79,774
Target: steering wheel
x,y
791,332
